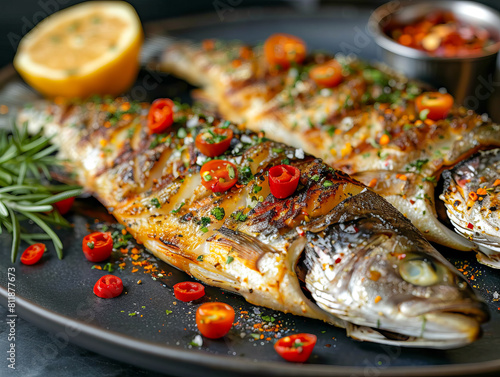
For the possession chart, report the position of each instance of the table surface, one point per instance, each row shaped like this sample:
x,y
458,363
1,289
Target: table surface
x,y
40,354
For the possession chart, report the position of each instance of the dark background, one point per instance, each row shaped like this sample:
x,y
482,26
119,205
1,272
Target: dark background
x,y
17,17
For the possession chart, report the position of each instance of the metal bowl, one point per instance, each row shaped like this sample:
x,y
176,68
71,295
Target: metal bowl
x,y
469,79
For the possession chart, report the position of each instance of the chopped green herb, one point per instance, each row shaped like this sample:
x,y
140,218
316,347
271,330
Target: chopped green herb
x,y
417,165
230,171
178,209
327,183
181,133
218,213
285,161
267,318
256,189
199,258
430,179
168,311
423,114
90,244
225,124
132,314
255,336
229,259
207,177
204,229
277,150
245,175
315,177
155,202
108,267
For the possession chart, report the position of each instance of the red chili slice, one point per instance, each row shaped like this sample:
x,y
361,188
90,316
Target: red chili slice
x,y
161,115
33,254
63,206
219,175
188,291
214,142
296,348
214,319
283,180
97,246
437,104
108,286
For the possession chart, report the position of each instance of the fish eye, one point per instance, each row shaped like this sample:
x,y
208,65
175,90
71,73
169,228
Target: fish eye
x,y
418,272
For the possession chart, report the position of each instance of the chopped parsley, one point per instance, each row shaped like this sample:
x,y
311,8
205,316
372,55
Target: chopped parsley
x,y
229,259
267,318
178,209
199,258
230,171
417,165
168,311
245,175
108,267
155,202
218,213
277,150
327,183
315,177
90,245
239,216
213,138
256,189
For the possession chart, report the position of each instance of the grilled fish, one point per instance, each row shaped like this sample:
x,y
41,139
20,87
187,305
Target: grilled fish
x,y
472,199
345,125
334,250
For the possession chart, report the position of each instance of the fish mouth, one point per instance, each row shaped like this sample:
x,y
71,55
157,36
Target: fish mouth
x,y
449,326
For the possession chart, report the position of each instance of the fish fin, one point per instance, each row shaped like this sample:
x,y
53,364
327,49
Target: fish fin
x,y
247,248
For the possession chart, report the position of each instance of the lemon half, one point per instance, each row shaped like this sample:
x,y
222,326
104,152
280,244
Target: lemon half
x,y
90,48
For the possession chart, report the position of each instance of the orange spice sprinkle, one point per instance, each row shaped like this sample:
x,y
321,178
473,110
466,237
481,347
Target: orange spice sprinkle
x,y
402,177
236,63
261,336
208,44
135,257
377,299
418,122
135,270
135,251
384,139
127,117
124,231
4,109
107,124
246,52
139,281
97,267
496,183
122,265
372,183
481,191
337,131
125,106
429,122
473,196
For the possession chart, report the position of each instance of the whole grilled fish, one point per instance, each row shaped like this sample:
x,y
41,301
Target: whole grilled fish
x,y
344,125
334,250
472,199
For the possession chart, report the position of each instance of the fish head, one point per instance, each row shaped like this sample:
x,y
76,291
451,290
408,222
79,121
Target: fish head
x,y
389,284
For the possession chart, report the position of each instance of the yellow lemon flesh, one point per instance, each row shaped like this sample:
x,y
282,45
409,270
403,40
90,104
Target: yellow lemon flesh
x,y
91,48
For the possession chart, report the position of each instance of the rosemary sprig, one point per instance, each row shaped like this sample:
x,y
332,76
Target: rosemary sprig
x,y
25,164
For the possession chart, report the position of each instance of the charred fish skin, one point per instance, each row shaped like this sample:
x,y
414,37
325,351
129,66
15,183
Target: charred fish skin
x,y
472,198
343,125
247,241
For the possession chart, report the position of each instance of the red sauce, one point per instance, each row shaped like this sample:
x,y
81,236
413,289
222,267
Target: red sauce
x,y
441,34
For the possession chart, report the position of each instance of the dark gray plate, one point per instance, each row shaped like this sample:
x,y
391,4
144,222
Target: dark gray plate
x,y
57,295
